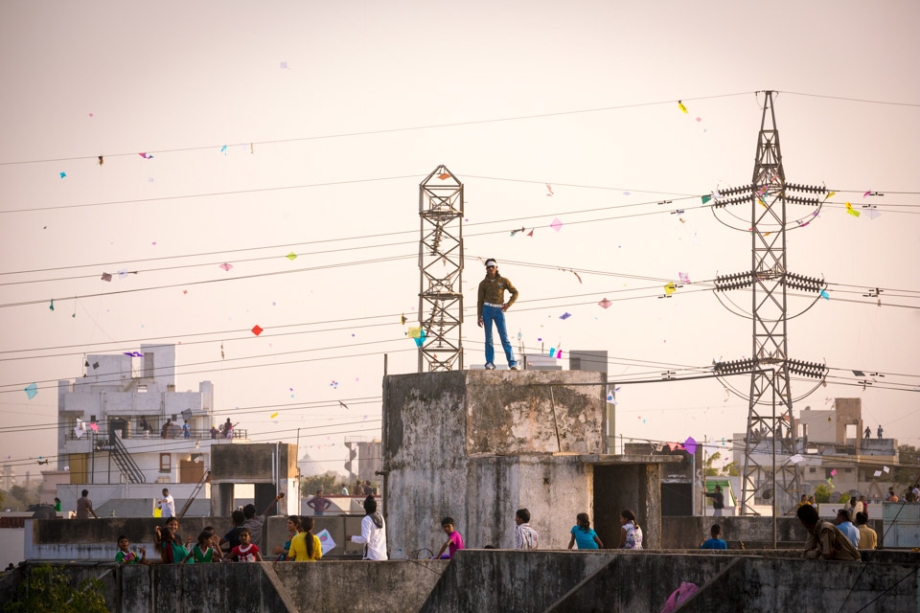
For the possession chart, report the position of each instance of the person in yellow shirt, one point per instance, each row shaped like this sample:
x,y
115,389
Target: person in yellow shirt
x,y
305,546
868,538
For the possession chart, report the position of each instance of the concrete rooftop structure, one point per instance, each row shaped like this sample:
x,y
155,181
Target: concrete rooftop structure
x,y
477,445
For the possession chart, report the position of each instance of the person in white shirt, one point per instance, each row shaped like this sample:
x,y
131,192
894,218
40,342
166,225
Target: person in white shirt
x,y
525,537
373,532
167,505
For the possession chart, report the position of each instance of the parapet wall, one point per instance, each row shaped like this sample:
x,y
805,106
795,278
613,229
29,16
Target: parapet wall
x,y
494,580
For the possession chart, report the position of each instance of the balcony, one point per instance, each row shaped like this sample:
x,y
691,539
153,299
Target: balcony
x,y
140,442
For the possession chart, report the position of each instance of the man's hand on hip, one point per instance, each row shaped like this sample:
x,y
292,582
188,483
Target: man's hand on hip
x,y
480,322
505,307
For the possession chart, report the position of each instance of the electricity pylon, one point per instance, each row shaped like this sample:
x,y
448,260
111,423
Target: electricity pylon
x,y
769,279
440,262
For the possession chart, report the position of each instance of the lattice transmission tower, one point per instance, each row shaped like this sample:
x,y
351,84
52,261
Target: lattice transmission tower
x,y
770,418
440,262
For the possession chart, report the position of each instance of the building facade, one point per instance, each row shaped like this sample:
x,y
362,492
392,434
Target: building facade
x,y
124,423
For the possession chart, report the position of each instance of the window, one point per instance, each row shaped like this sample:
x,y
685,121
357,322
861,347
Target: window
x,y
165,463
142,389
812,470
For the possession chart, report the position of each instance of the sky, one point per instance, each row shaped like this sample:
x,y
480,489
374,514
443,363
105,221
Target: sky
x,y
307,127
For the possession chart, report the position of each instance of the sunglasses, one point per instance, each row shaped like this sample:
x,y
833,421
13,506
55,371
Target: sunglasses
x,y
488,267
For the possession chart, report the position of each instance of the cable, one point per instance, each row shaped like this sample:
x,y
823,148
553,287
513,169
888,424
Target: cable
x,y
289,245
909,104
94,158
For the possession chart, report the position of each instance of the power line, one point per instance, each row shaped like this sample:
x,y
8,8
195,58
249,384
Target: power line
x,y
336,240
95,157
393,340
886,102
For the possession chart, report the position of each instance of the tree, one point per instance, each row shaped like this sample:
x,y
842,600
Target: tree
x,y
822,494
48,590
908,471
731,469
330,483
708,470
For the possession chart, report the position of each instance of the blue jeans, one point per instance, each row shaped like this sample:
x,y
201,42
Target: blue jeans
x,y
490,314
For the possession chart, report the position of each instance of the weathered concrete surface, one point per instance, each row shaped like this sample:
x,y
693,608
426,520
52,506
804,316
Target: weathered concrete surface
x,y
495,580
755,532
262,464
636,581
517,581
330,587
765,585
361,586
902,523
477,445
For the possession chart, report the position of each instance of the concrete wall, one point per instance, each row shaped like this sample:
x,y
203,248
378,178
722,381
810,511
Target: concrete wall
x,y
902,524
636,581
510,581
261,464
363,587
494,580
477,445
12,546
765,585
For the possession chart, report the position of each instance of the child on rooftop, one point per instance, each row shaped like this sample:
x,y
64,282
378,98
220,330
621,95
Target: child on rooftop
x,y
204,551
169,543
716,541
125,556
245,551
454,540
583,534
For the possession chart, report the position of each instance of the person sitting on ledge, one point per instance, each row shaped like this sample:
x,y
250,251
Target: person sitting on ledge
x,y
825,541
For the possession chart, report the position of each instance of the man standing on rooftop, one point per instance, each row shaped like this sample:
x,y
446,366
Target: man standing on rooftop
x,y
85,506
491,307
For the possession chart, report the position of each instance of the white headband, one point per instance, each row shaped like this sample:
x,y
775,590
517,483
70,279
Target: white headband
x,y
491,263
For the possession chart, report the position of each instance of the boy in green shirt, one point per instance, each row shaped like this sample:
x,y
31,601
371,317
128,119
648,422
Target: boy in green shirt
x,y
129,557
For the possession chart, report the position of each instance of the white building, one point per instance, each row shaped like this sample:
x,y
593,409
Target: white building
x,y
113,437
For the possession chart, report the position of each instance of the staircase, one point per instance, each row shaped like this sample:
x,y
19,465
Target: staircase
x,y
125,462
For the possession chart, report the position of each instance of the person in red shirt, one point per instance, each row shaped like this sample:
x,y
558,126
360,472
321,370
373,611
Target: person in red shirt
x,y
245,551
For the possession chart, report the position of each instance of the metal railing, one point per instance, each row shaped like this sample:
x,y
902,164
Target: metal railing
x,y
125,461
175,433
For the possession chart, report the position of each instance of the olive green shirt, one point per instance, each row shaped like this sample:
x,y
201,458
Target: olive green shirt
x,y
493,291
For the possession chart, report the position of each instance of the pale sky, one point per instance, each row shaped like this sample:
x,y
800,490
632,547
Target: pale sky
x,y
181,80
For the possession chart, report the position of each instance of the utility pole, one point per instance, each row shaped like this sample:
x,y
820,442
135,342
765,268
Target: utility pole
x,y
440,263
769,279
